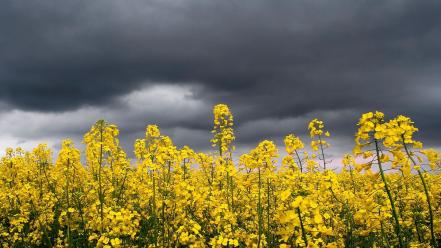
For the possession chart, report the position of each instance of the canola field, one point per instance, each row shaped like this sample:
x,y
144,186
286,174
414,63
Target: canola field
x,y
387,193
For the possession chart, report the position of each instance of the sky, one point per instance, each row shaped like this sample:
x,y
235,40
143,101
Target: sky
x,y
277,64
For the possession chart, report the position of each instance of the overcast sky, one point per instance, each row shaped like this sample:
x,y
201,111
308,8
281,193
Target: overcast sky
x,y
278,64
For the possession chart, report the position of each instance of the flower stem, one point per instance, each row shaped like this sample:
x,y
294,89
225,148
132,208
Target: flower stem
x,y
389,195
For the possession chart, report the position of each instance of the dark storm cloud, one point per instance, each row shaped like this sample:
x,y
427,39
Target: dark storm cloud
x,y
271,60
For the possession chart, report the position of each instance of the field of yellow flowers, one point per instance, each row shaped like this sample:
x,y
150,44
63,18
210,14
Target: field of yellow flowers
x,y
387,194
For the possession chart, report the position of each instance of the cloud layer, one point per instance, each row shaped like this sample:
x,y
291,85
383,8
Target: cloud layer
x,y
277,63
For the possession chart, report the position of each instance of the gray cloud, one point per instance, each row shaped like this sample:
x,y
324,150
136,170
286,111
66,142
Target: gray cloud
x,y
278,64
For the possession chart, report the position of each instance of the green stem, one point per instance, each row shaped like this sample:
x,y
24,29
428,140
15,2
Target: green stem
x,y
68,202
228,188
323,153
300,161
389,195
383,234
100,190
302,227
268,184
426,192
417,228
259,211
352,179
154,209
232,184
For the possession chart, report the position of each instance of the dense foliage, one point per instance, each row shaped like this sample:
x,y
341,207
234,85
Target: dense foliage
x,y
386,193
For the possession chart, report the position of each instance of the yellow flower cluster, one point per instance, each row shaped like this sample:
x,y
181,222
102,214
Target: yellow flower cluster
x,y
223,128
317,134
391,142
261,157
292,144
387,193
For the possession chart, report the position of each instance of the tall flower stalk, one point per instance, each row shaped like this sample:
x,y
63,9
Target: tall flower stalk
x,y
223,137
318,142
401,131
373,130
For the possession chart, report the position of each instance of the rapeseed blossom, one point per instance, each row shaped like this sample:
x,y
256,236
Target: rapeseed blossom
x,y
386,194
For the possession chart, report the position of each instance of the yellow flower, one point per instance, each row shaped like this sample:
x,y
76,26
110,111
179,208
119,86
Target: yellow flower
x,y
223,128
152,131
292,143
